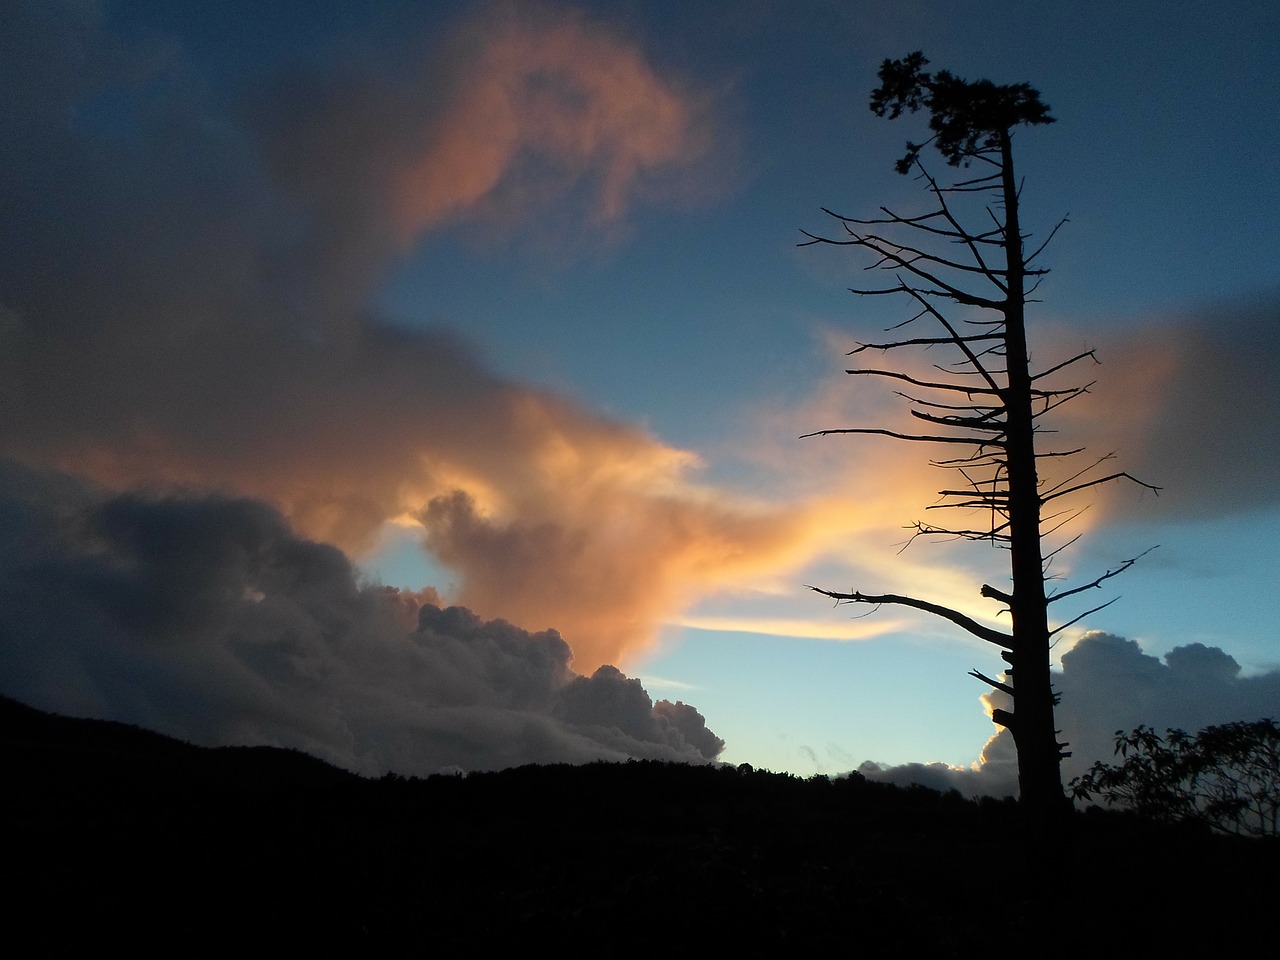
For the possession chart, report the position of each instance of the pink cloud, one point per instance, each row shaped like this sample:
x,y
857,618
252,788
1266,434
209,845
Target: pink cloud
x,y
543,101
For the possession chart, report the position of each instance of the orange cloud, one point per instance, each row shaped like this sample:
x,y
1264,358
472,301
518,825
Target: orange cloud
x,y
872,488
548,514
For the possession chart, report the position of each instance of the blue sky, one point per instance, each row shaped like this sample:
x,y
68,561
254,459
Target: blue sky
x,y
520,282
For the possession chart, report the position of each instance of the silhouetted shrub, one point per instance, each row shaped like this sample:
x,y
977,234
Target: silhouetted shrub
x,y
1227,777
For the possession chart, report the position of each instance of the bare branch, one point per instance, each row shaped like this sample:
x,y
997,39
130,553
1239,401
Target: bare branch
x,y
1101,480
973,423
965,237
1113,572
872,240
1074,620
999,506
1047,240
987,412
1002,687
1072,515
1055,402
946,613
1057,550
923,341
1079,474
994,594
1065,363
959,341
893,374
980,441
978,459
917,223
991,178
995,495
924,530
879,246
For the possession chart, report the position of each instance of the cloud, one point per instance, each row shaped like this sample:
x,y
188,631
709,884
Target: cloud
x,y
185,305
522,109
1214,435
798,627
1181,401
544,99
1180,404
1108,684
208,618
611,560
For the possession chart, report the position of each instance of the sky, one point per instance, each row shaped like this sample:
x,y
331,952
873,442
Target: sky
x,y
423,385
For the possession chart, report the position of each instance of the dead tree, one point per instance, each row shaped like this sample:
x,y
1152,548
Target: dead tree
x,y
987,404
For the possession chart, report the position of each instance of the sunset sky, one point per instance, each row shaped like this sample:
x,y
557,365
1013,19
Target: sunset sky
x,y
501,305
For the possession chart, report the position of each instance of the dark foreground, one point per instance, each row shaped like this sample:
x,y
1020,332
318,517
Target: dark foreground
x,y
118,837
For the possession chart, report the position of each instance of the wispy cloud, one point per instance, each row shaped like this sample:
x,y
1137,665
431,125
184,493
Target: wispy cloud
x,y
543,100
527,119
816,629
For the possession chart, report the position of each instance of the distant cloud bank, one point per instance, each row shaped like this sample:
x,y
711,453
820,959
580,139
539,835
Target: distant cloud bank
x,y
208,618
1108,684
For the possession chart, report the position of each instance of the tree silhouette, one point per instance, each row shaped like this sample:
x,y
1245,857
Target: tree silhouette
x,y
986,403
1226,777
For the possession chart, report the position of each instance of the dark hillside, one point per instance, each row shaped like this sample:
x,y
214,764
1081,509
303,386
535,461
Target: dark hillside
x,y
114,835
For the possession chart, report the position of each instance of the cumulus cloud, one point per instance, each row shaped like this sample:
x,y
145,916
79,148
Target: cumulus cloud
x,y
1108,684
208,618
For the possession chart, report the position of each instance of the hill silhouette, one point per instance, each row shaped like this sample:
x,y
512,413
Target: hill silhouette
x,y
119,835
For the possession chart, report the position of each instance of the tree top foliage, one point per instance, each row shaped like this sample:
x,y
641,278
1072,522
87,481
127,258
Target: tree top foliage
x,y
966,117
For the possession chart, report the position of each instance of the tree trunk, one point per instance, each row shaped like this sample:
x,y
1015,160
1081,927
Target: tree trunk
x,y
1032,724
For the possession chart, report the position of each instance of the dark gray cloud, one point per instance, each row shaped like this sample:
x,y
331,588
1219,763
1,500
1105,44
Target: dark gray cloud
x,y
1109,684
1184,404
1214,439
208,618
995,775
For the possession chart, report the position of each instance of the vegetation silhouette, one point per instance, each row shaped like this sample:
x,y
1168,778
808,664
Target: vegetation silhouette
x,y
118,835
1226,777
987,402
